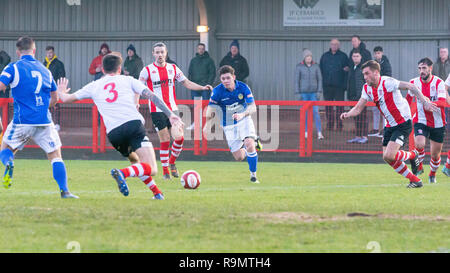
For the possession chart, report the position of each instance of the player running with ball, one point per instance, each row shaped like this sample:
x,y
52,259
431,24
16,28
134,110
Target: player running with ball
x,y
114,95
385,93
236,104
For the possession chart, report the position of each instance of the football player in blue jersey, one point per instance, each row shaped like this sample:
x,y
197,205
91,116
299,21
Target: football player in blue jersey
x,y
234,101
33,91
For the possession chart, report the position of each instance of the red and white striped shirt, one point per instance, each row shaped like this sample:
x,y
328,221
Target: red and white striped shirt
x,y
435,91
389,101
161,80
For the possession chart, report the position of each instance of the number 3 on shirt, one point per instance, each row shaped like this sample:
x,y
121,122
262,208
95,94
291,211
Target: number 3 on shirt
x,y
112,91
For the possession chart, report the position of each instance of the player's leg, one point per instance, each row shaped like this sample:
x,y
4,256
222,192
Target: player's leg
x,y
421,133
133,158
393,140
164,140
177,147
162,126
48,139
248,133
436,143
148,158
14,138
446,169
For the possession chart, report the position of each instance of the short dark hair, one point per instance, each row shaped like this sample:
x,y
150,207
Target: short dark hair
x,y
159,44
378,49
426,61
49,48
226,69
25,43
373,65
201,44
356,36
356,51
111,63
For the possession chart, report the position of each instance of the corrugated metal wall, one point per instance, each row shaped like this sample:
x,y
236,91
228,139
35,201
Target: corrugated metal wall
x,y
412,29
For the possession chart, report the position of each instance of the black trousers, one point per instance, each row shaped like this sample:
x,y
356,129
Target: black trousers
x,y
333,93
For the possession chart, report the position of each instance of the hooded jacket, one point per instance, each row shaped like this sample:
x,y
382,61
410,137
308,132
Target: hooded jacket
x,y
97,62
133,65
355,82
365,54
385,65
239,64
202,69
308,78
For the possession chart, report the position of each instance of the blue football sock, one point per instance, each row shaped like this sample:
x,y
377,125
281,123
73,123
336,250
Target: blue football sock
x,y
6,155
59,173
252,159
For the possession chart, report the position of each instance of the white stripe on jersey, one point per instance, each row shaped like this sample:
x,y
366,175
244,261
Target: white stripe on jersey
x,y
15,82
434,91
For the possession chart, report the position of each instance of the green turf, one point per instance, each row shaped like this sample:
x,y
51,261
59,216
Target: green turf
x,y
227,213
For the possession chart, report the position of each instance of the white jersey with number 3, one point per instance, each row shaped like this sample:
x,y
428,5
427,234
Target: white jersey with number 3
x,y
114,97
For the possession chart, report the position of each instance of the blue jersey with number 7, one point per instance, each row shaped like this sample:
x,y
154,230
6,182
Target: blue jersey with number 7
x,y
31,84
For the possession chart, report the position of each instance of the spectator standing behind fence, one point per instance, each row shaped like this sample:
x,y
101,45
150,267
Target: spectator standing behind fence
x,y
441,69
354,89
55,66
4,61
133,63
308,82
96,65
386,70
237,61
334,67
202,71
361,47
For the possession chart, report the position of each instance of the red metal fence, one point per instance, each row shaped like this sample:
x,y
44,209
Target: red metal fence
x,y
285,121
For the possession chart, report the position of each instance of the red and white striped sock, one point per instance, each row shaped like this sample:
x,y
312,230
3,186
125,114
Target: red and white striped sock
x,y
150,183
403,156
164,156
401,168
421,154
447,164
137,170
177,147
434,165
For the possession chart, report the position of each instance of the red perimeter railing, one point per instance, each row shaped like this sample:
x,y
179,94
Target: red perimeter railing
x,y
82,128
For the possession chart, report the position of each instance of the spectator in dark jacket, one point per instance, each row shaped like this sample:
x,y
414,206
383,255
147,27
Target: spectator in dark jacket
x,y
361,47
308,82
202,70
441,67
354,89
4,61
386,70
96,65
235,60
57,68
133,63
170,61
334,67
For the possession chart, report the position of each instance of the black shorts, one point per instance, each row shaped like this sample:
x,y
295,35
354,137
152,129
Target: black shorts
x,y
435,134
398,134
129,137
161,121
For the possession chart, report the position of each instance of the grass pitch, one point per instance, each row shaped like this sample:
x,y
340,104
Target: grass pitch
x,y
298,207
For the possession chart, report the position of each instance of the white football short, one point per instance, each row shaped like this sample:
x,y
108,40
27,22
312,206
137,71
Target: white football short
x,y
16,136
236,133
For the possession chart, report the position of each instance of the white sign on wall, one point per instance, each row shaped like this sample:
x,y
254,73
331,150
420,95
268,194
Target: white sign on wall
x,y
333,12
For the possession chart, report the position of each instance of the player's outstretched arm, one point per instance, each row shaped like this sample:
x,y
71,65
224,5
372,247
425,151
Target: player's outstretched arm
x,y
208,118
429,106
193,86
2,87
356,110
174,119
63,91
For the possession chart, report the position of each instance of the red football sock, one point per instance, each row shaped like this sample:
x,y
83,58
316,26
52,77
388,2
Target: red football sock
x,y
137,170
177,147
403,156
164,156
434,165
401,168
